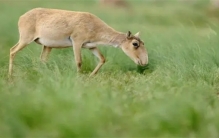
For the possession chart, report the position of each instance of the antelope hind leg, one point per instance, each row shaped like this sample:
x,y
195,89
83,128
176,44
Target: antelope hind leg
x,y
19,46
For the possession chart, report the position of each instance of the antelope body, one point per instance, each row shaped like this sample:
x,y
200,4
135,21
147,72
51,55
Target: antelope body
x,y
54,28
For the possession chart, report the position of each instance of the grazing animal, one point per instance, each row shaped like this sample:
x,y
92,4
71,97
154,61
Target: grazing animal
x,y
54,28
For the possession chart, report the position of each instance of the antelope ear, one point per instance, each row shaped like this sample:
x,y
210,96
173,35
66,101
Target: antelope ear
x,y
137,34
128,35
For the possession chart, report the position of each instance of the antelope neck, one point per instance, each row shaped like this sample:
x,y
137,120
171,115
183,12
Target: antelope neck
x,y
114,38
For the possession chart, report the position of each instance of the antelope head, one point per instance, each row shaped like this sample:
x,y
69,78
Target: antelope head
x,y
134,48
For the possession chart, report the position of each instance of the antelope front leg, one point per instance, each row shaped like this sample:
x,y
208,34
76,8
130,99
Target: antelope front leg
x,y
45,53
97,53
77,54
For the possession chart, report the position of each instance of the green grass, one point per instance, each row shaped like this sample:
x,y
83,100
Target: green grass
x,y
176,95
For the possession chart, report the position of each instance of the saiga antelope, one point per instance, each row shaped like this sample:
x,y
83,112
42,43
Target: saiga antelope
x,y
54,28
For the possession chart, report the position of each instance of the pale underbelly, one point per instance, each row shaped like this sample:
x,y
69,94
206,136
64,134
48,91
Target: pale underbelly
x,y
66,42
63,43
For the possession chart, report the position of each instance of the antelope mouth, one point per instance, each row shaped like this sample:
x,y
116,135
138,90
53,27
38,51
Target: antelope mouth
x,y
139,62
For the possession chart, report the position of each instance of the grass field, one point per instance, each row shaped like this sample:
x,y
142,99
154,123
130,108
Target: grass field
x,y
176,95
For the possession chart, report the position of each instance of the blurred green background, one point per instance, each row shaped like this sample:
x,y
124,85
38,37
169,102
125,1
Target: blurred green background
x,y
176,95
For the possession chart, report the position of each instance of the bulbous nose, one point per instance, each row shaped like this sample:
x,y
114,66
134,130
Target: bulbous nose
x,y
146,61
143,60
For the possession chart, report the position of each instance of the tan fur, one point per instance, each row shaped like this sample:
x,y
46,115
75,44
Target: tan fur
x,y
55,28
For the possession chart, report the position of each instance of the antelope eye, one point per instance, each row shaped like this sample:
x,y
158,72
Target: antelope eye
x,y
135,44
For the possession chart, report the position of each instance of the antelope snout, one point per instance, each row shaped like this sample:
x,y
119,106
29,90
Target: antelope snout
x,y
143,61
